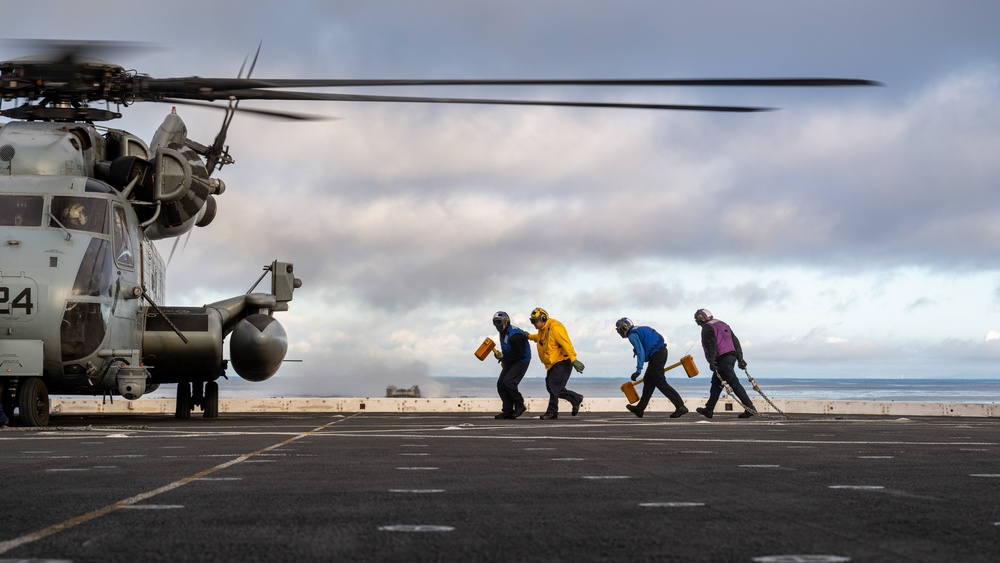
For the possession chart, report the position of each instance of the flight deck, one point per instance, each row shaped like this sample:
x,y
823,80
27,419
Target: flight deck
x,y
465,487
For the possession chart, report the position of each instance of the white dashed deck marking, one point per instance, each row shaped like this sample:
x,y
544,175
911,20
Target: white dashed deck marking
x,y
801,559
415,528
858,487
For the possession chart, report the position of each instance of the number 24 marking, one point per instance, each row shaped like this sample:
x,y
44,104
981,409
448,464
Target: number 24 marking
x,y
22,301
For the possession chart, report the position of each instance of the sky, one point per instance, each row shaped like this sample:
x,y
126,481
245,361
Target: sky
x,y
853,232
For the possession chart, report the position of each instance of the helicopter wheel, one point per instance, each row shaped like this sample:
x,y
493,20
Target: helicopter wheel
x,y
211,404
33,399
183,407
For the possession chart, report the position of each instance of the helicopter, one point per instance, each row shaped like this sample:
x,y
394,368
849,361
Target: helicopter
x,y
82,285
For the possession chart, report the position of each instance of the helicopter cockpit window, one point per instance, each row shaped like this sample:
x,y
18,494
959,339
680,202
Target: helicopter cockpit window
x,y
83,328
21,210
97,187
96,275
123,243
80,213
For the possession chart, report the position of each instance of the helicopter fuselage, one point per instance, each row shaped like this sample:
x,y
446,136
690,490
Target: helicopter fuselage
x,y
73,266
81,281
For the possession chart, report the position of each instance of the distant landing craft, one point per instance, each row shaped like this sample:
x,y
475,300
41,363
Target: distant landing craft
x,y
81,284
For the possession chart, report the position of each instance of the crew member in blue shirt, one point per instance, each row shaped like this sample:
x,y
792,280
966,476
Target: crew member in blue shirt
x,y
514,355
649,347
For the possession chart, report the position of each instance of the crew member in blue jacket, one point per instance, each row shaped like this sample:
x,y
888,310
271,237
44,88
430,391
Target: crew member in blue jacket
x,y
514,355
650,347
722,351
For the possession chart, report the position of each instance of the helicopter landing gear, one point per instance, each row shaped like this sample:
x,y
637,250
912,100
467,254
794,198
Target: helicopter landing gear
x,y
183,405
206,397
211,404
33,401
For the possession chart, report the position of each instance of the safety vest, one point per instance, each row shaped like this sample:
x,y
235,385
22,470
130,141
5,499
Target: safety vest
x,y
505,342
723,338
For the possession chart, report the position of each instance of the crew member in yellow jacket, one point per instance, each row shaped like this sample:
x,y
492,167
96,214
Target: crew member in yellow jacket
x,y
555,351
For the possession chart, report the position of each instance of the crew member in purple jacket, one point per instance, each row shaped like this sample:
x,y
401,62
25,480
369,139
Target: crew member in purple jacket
x,y
722,351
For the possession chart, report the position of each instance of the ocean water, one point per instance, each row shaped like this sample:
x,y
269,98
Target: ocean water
x,y
840,389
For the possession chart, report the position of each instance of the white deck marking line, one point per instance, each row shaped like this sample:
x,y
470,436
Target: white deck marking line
x,y
416,528
126,503
671,504
801,558
396,434
858,487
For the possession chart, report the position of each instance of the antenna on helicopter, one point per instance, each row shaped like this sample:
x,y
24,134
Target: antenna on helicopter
x,y
218,156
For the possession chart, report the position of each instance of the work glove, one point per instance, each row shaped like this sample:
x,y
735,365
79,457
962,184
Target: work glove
x,y
742,363
635,375
578,366
498,355
712,368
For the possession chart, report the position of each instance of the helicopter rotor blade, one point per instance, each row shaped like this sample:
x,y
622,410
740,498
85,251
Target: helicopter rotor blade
x,y
197,85
269,89
72,51
62,86
280,115
278,95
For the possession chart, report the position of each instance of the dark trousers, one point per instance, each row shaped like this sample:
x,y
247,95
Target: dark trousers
x,y
555,383
655,379
726,365
510,378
